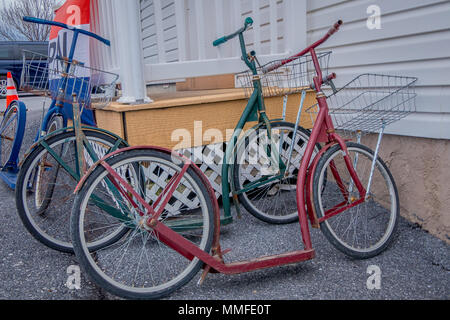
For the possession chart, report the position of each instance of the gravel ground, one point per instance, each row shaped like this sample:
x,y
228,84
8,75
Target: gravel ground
x,y
416,266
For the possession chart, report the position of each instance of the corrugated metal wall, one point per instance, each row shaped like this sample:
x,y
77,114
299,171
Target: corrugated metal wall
x,y
414,40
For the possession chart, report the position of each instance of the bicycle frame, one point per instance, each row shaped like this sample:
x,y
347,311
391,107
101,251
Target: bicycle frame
x,y
323,132
255,107
58,102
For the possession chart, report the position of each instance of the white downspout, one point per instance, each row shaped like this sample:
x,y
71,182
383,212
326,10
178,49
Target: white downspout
x,y
131,60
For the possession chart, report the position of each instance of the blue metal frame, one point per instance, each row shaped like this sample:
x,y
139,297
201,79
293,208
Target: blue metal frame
x,y
9,172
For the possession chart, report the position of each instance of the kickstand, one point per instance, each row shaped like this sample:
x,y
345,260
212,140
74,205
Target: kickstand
x,y
218,255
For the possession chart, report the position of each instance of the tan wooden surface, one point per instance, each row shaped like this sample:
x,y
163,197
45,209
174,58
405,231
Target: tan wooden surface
x,y
111,121
225,81
205,119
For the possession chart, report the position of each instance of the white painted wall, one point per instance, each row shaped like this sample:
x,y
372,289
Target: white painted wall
x,y
177,35
414,40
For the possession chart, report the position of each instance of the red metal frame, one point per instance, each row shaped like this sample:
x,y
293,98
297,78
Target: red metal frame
x,y
323,131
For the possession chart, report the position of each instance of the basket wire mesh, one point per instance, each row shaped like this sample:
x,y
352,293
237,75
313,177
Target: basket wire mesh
x,y
370,102
47,76
286,79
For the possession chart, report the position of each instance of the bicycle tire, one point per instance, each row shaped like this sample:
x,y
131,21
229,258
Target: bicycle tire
x,y
130,283
282,207
55,123
12,129
377,208
34,219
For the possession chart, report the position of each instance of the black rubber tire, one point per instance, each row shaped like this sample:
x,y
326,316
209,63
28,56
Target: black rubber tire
x,y
35,232
324,226
55,123
244,199
81,253
5,155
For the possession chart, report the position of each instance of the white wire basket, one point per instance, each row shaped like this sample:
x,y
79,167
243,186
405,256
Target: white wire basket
x,y
48,76
370,102
278,79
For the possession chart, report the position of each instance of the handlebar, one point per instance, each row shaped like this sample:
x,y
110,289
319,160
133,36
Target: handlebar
x,y
335,28
248,23
65,26
330,32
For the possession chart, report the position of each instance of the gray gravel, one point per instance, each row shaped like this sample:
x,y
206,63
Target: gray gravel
x,y
416,266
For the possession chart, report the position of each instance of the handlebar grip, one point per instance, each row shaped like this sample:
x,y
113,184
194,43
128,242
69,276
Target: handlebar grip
x,y
331,76
335,28
220,41
248,22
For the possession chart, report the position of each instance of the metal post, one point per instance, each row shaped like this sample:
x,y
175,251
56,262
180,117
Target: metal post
x,y
294,136
375,157
285,100
355,161
127,38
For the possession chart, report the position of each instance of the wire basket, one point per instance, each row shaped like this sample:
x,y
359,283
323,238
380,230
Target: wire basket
x,y
284,79
370,102
49,76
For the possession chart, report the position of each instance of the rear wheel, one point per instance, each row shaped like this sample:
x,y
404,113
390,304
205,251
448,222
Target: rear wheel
x,y
273,201
11,135
140,265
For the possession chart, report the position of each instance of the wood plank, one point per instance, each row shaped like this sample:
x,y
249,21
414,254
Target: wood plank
x,y
225,81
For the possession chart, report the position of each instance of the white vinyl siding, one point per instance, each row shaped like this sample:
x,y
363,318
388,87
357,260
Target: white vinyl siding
x,y
414,40
183,31
158,17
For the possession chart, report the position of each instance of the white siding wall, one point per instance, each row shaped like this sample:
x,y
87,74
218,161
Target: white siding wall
x,y
177,35
414,41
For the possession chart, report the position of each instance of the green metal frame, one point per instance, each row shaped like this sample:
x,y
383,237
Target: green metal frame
x,y
254,111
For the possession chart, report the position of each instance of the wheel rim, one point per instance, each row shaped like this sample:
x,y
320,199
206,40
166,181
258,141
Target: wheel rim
x,y
48,197
277,199
41,188
139,262
8,134
366,227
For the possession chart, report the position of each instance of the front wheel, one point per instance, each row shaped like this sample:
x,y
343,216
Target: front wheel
x,y
45,180
140,265
12,129
365,230
44,189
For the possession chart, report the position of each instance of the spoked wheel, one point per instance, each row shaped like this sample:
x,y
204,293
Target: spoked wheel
x,y
45,178
140,265
44,190
267,195
11,135
364,230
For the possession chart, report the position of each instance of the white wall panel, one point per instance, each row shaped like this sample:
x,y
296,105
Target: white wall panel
x,y
414,40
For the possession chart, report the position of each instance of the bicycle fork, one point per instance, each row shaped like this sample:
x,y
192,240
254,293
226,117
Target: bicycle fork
x,y
375,157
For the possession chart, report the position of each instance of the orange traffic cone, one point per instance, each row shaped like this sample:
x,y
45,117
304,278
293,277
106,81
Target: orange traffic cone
x,y
11,91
